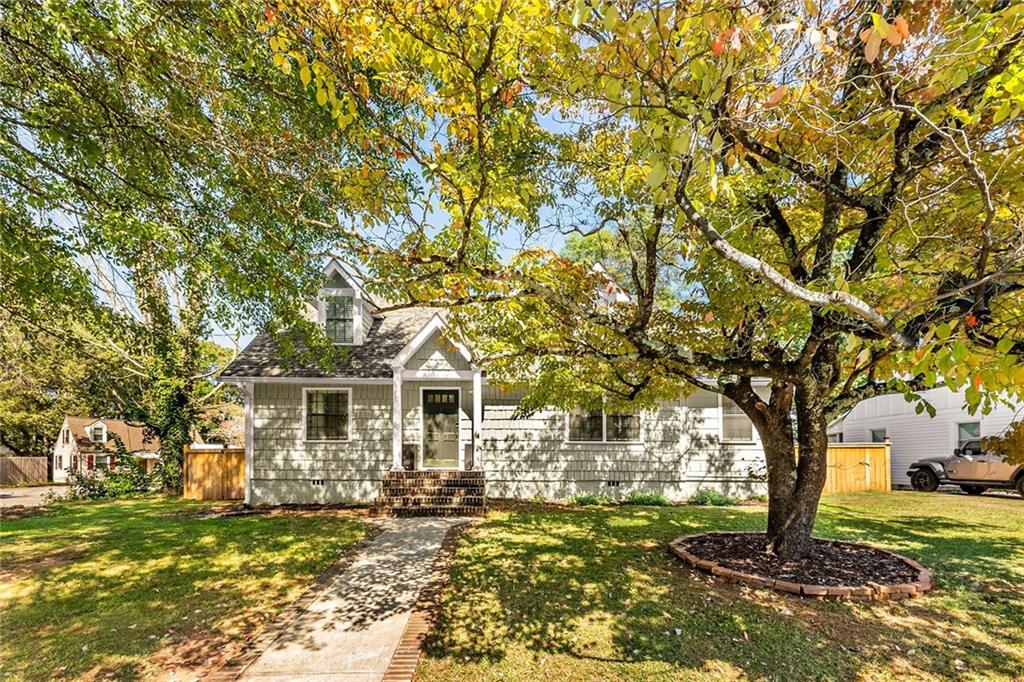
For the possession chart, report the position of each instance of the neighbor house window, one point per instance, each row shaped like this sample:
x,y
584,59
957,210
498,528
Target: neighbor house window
x,y
327,414
736,425
64,436
597,426
967,432
835,438
879,436
338,319
97,434
101,462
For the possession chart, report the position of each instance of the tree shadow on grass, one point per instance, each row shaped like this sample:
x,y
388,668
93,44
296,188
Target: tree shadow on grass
x,y
595,593
147,582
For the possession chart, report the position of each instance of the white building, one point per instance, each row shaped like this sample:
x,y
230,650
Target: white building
x,y
913,435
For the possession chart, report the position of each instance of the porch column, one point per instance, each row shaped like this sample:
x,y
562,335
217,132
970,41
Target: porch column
x,y
249,388
396,420
478,401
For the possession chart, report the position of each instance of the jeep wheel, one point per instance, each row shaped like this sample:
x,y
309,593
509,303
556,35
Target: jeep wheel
x,y
924,480
1020,485
973,489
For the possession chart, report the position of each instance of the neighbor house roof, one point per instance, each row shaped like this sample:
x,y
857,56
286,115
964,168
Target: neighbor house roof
x,y
389,333
132,435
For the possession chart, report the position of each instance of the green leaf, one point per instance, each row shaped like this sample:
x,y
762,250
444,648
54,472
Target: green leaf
x,y
657,175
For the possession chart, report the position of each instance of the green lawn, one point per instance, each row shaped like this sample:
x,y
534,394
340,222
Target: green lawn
x,y
587,594
143,587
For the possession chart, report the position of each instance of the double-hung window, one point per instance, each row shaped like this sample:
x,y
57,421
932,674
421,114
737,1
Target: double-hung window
x,y
736,425
338,319
327,414
97,434
966,432
598,426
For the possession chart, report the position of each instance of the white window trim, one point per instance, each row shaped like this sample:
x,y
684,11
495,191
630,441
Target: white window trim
x,y
88,432
604,431
721,427
348,425
956,431
357,312
95,462
423,429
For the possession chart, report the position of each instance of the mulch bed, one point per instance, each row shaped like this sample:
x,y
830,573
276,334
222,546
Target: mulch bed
x,y
831,569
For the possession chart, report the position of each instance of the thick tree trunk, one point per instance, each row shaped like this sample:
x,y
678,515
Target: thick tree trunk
x,y
795,481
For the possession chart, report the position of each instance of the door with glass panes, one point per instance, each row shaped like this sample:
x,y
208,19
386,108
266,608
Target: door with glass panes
x,y
440,428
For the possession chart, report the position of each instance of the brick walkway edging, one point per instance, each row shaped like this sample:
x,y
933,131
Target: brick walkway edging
x,y
263,638
870,592
426,611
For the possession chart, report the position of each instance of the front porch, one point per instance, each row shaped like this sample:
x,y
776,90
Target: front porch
x,y
437,405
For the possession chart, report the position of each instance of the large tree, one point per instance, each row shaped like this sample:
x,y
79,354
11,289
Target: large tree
x,y
826,195
154,166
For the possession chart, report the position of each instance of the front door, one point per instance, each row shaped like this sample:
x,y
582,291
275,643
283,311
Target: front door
x,y
440,428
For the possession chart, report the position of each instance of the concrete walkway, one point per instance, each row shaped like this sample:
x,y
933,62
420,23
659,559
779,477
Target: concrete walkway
x,y
350,630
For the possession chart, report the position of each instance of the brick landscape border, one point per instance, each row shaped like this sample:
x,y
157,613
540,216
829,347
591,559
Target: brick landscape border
x,y
870,592
263,638
426,611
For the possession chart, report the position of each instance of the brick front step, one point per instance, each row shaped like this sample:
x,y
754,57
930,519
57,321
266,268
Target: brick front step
x,y
432,493
430,511
431,501
441,491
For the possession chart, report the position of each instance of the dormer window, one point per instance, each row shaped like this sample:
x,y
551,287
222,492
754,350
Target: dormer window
x,y
339,319
97,434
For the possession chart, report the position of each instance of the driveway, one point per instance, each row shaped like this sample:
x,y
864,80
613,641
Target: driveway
x,y
27,497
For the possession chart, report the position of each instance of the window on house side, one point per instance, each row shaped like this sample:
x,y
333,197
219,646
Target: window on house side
x,y
101,462
97,434
594,426
966,432
338,319
736,425
878,436
623,427
586,426
327,415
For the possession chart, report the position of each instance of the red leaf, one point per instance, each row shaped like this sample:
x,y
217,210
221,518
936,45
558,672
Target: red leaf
x,y
269,12
972,321
977,381
718,46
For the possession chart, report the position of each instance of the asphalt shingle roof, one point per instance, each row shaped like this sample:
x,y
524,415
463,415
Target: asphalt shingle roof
x,y
388,335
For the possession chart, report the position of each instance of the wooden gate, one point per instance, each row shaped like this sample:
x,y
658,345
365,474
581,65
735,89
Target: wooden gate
x,y
214,474
23,470
858,467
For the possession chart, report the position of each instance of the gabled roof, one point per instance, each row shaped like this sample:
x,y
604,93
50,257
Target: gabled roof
x,y
133,436
388,334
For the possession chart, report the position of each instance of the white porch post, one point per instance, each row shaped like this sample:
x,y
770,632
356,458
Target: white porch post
x,y
478,401
249,389
396,420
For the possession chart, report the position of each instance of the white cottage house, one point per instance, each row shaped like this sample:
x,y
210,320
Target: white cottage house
x,y
404,413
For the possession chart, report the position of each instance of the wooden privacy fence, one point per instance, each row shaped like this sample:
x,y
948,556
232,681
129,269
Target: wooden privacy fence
x,y
858,467
214,474
22,470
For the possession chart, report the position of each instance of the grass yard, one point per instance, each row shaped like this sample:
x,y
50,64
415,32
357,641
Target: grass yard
x,y
592,593
142,587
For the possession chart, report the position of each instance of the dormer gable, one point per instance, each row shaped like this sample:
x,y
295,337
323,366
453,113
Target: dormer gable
x,y
343,310
96,432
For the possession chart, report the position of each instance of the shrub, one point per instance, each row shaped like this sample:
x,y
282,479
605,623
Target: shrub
x,y
646,499
587,499
128,477
760,497
705,497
